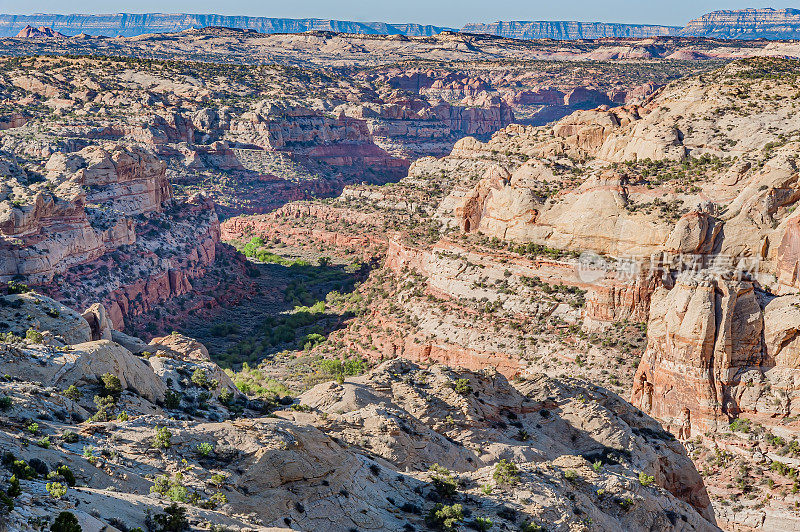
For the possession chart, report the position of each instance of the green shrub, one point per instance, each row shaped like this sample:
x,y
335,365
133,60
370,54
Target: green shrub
x,y
205,449
645,479
66,522
173,519
225,396
462,387
172,400
105,406
331,366
311,341
56,489
34,336
443,481
14,489
171,488
72,392
741,425
571,475
66,473
200,378
22,470
505,472
17,288
223,329
442,517
88,453
482,524
6,501
70,436
162,439
178,493
111,385
160,485
217,499
6,403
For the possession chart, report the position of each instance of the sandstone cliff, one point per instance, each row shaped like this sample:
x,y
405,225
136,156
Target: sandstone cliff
x,y
763,23
567,30
720,328
130,24
101,211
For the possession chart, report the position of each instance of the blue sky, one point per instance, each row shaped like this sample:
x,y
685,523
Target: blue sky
x,y
440,12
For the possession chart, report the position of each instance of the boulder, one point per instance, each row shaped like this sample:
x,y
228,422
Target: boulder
x,y
20,312
85,363
99,322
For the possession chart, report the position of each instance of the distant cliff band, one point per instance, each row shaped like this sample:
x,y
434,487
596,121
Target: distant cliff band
x,y
740,24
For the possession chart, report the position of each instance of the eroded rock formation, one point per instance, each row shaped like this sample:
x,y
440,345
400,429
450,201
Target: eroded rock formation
x,y
354,453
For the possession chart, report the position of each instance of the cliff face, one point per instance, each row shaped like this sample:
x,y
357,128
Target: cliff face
x,y
728,338
129,24
728,24
101,213
567,30
764,23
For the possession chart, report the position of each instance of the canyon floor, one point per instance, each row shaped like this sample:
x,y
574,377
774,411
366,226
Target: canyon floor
x,y
462,282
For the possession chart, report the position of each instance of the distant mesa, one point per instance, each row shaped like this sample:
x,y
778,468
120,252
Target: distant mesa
x,y
131,25
764,23
29,32
568,30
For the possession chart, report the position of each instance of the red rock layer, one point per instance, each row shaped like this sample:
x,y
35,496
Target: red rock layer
x,y
703,336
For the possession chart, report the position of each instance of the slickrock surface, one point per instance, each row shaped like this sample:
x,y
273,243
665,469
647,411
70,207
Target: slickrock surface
x,y
355,454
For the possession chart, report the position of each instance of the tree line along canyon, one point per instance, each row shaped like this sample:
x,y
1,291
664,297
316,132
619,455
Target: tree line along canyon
x,y
333,276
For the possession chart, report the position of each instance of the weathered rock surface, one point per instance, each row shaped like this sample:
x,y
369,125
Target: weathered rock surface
x,y
356,455
101,211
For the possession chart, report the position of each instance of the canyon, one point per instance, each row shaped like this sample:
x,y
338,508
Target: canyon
x,y
465,282
688,230
350,454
